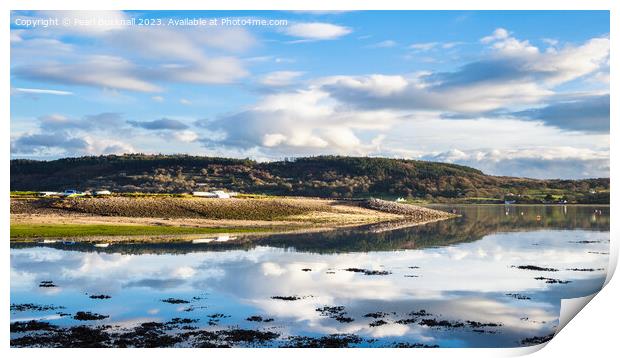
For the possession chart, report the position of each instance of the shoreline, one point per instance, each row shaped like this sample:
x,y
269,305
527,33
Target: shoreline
x,y
499,204
191,218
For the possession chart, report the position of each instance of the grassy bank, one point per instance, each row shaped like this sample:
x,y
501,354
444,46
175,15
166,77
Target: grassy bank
x,y
21,231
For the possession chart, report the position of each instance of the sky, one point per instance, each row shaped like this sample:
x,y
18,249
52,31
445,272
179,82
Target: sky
x,y
515,93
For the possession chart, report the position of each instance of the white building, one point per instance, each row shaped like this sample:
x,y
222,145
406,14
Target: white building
x,y
49,193
220,194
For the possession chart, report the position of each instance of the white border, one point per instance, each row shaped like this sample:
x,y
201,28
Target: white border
x,y
593,332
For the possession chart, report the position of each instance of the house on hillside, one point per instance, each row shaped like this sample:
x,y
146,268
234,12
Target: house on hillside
x,y
221,194
49,193
204,194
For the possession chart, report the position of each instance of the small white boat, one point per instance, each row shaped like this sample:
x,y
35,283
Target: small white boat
x,y
50,241
105,244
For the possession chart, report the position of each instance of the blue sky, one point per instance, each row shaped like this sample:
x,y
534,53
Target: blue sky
x,y
519,93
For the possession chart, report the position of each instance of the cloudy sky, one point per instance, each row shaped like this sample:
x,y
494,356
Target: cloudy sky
x,y
510,93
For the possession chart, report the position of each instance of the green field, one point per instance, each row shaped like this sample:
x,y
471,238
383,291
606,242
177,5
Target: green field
x,y
22,231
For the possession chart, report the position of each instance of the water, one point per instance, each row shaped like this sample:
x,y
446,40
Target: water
x,y
453,283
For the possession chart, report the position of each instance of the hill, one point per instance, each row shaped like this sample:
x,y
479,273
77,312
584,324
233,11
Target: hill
x,y
323,176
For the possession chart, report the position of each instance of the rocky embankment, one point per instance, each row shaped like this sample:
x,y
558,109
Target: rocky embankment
x,y
411,212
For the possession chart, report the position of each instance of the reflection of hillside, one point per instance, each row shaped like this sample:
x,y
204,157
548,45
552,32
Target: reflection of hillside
x,y
475,223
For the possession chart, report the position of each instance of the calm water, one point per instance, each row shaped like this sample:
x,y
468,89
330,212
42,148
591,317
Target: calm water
x,y
454,283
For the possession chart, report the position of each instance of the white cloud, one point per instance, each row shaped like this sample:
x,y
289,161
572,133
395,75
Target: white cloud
x,y
186,136
551,42
185,101
317,31
424,46
40,48
58,122
449,45
301,121
161,124
180,44
59,135
498,34
42,144
99,71
111,72
515,74
157,43
380,85
534,162
221,70
544,153
572,62
511,45
163,54
556,65
399,92
279,78
273,139
65,144
42,91
602,77
423,133
98,146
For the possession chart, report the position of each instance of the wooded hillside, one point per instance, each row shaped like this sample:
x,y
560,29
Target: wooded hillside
x,y
324,176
